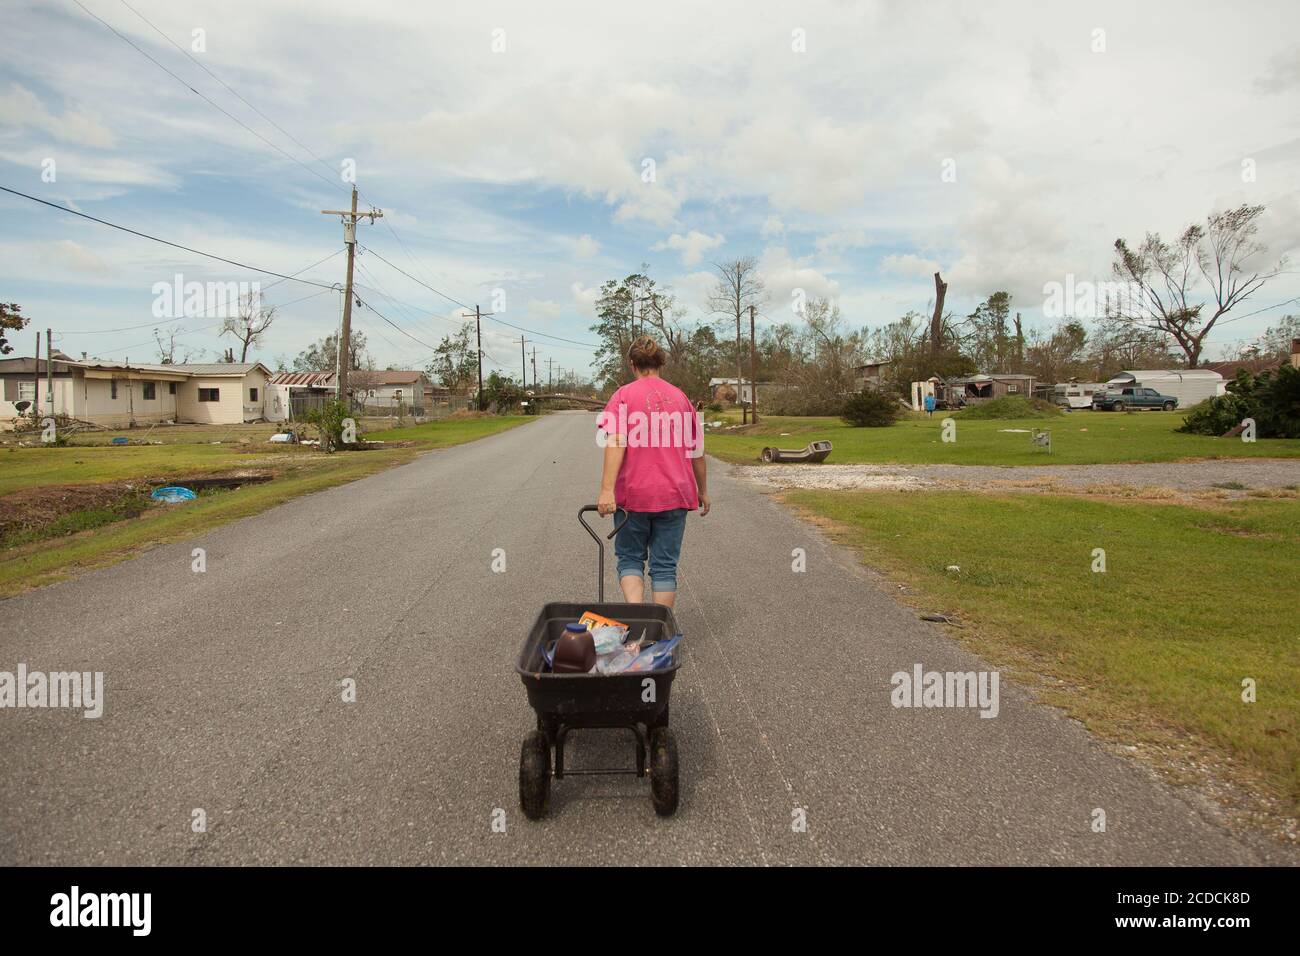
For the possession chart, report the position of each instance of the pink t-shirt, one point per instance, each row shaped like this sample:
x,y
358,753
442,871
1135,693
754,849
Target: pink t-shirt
x,y
662,435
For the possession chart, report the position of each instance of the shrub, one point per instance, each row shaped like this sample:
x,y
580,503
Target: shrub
x,y
328,420
1012,406
1271,398
870,409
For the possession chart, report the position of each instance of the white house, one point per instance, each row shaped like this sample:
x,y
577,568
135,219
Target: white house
x,y
386,390
116,394
724,390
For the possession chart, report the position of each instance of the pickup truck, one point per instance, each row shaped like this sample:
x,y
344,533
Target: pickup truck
x,y
1118,400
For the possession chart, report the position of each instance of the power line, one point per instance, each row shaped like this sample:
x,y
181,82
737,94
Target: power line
x,y
392,323
201,65
202,96
414,279
284,152
165,242
517,328
159,322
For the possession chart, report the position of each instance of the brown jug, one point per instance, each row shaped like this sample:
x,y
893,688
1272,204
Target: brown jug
x,y
575,652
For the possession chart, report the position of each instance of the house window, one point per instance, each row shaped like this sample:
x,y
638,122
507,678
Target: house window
x,y
171,388
26,391
209,395
112,389
149,391
252,394
1013,388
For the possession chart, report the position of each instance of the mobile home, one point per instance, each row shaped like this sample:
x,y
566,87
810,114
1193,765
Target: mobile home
x,y
1188,385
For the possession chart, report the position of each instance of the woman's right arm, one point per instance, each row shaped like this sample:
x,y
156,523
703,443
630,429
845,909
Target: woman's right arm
x,y
614,452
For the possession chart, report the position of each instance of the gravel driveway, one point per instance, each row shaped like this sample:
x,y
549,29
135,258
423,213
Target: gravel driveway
x,y
1191,476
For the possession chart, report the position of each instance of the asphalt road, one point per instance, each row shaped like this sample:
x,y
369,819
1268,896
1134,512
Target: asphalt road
x,y
222,693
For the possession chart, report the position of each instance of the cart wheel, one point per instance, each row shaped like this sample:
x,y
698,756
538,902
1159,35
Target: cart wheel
x,y
663,771
769,455
535,775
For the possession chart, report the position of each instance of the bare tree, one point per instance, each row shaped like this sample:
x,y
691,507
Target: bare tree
x,y
738,287
250,324
1165,274
167,347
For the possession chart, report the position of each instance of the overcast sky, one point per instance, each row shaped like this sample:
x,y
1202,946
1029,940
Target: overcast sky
x,y
509,146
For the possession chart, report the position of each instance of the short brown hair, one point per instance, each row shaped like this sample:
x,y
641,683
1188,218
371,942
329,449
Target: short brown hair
x,y
645,353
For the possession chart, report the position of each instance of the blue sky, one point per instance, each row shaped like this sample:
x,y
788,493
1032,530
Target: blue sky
x,y
507,143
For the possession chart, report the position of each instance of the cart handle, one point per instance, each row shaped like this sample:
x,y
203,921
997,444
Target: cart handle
x,y
600,545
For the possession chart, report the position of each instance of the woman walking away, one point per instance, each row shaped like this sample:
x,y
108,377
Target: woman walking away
x,y
654,470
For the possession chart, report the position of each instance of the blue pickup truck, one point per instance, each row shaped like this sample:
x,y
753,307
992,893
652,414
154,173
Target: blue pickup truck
x,y
1135,397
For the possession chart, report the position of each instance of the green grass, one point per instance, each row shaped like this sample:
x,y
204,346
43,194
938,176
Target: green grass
x,y
72,465
1192,601
451,431
300,471
1077,438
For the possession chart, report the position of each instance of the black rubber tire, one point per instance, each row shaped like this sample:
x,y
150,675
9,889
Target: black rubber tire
x,y
1170,406
1117,407
535,775
769,455
663,771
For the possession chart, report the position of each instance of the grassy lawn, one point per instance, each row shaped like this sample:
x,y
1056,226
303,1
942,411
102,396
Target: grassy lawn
x,y
1152,651
298,470
1077,438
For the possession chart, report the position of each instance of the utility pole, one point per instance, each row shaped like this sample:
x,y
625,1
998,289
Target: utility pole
x,y
550,379
350,240
49,368
753,370
534,367
740,381
523,358
36,379
478,331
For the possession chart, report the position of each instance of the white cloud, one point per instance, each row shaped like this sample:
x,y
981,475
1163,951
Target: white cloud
x,y
909,265
581,247
691,247
21,107
77,257
782,274
584,298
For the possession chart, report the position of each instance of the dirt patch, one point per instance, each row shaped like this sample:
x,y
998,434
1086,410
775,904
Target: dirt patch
x,y
52,510
33,510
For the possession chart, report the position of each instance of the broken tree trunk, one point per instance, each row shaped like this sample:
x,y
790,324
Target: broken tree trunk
x,y
936,322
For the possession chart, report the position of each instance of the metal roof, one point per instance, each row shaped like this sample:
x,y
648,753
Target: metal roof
x,y
1155,373
308,379
207,368
388,376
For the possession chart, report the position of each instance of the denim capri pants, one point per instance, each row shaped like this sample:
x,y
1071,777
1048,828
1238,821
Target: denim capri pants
x,y
655,536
